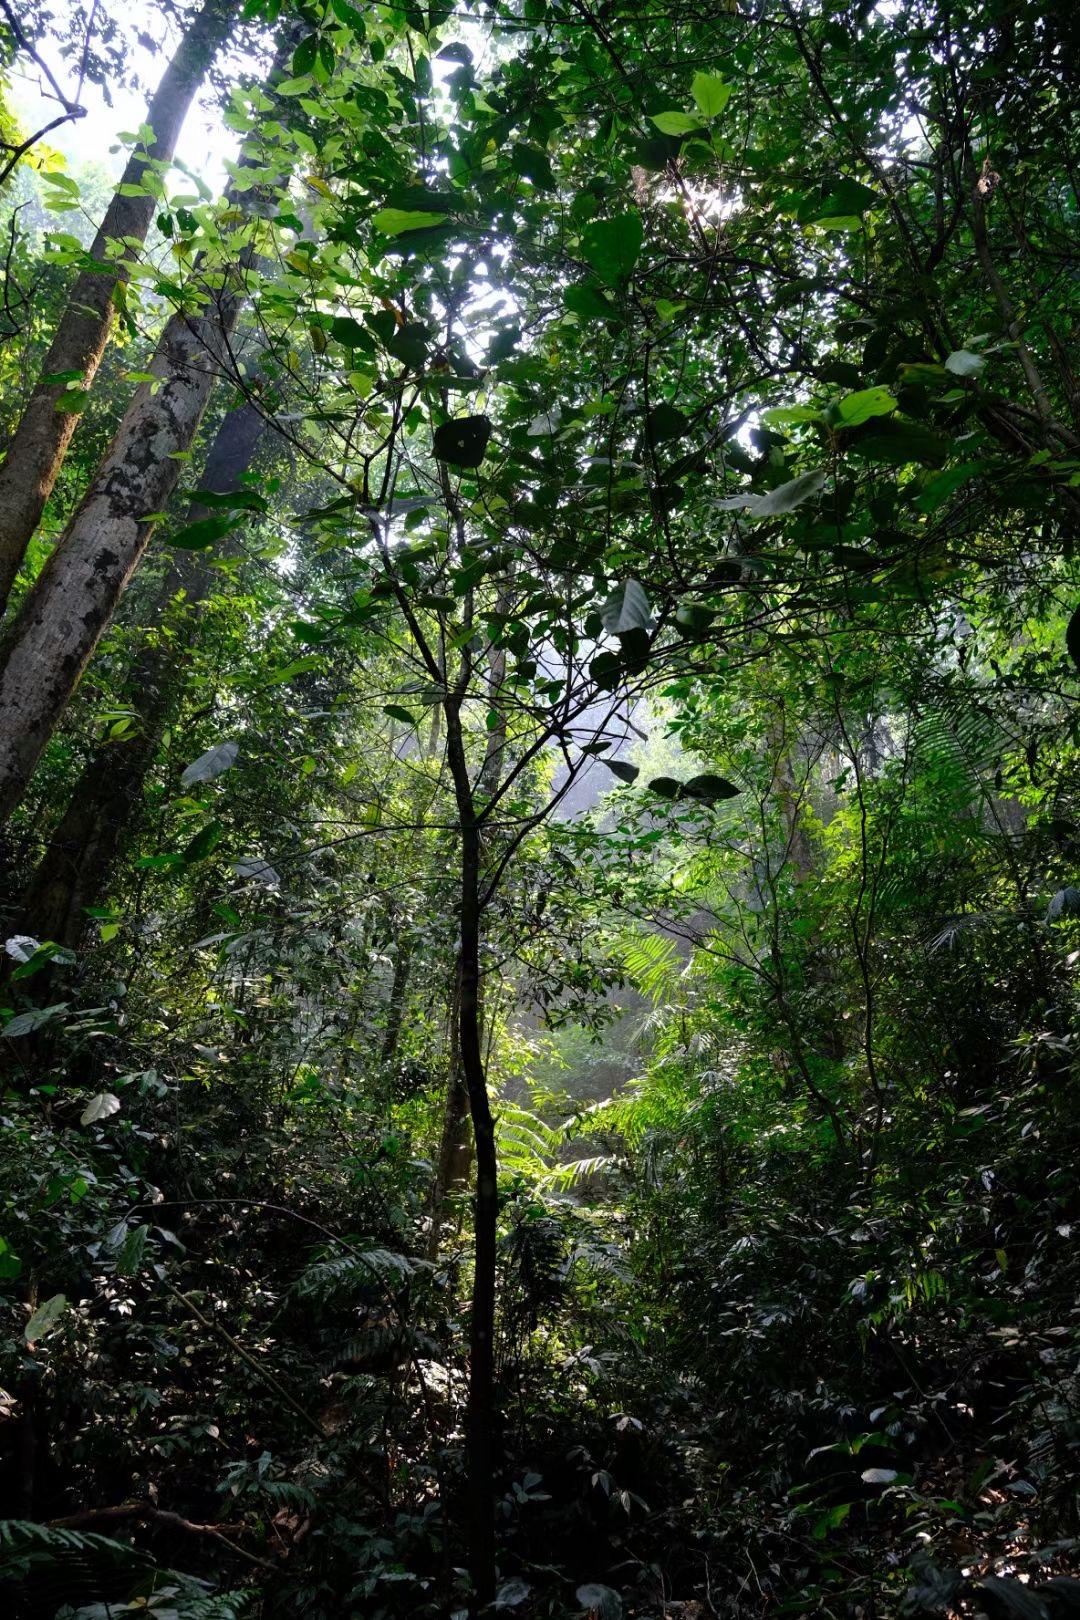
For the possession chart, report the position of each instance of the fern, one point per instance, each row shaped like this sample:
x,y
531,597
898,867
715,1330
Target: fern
x,y
347,1273
650,960
563,1177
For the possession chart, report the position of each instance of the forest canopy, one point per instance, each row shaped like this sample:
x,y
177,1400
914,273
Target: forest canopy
x,y
539,809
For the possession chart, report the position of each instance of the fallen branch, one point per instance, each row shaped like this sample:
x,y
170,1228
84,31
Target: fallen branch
x,y
145,1512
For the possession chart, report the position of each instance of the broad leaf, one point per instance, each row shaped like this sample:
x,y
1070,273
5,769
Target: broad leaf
x,y
860,407
395,221
45,1318
710,93
1072,637
612,246
462,442
710,789
26,1023
201,535
627,608
602,1602
216,760
962,363
785,498
103,1106
676,123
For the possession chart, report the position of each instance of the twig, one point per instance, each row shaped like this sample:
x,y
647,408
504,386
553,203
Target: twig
x,y
249,1360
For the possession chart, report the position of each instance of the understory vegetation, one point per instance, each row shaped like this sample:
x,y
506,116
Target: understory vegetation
x,y
540,798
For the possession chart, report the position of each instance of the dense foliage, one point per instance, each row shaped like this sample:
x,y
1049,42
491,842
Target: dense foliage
x,y
541,813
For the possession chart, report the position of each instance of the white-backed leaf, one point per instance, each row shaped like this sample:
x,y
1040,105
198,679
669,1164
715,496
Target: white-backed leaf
x,y
103,1106
602,1601
216,760
260,871
962,363
785,498
26,1023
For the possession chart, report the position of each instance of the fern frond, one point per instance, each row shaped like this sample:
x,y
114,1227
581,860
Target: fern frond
x,y
352,1272
562,1177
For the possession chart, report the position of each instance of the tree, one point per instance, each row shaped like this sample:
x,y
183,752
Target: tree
x,y
75,866
36,450
72,601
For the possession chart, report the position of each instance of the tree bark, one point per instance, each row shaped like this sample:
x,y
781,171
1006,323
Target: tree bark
x,y
480,1411
75,869
71,603
39,443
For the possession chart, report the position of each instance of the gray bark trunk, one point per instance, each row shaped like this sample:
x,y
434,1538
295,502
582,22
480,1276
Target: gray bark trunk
x,y
39,443
75,869
72,601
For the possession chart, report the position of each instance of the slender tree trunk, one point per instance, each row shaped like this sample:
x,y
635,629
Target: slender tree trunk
x,y
480,1412
75,869
455,1148
395,1009
39,443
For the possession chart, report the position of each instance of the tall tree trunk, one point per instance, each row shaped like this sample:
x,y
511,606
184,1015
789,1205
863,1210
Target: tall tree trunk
x,y
75,869
480,1411
455,1146
39,443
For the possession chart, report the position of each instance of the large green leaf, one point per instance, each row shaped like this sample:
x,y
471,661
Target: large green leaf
x,y
45,1319
626,609
395,221
612,246
710,93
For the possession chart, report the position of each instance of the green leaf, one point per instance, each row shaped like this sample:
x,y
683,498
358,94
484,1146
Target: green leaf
x,y
665,421
601,1601
668,787
590,302
200,536
303,58
710,93
676,123
397,712
940,488
64,181
620,768
612,246
462,442
131,1255
45,1319
627,608
868,402
897,442
73,401
396,221
204,843
850,200
26,1023
236,500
